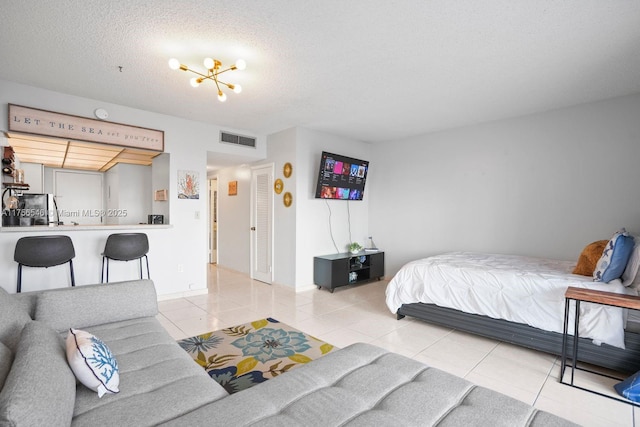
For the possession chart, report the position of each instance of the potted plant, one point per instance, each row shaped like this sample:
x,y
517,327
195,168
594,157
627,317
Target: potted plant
x,y
355,247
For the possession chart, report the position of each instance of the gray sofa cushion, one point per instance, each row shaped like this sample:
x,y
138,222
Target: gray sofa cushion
x,y
13,317
158,380
85,306
40,388
6,359
363,385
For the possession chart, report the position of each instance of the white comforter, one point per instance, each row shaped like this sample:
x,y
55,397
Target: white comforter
x,y
518,289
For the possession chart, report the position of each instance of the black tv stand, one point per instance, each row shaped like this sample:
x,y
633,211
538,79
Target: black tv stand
x,y
335,270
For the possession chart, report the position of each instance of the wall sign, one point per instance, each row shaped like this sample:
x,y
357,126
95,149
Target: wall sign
x,y
48,123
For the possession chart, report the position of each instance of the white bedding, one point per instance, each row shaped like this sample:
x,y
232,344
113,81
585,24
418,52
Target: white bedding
x,y
518,289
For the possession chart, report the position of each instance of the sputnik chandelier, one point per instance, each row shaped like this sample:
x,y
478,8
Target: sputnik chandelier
x,y
214,69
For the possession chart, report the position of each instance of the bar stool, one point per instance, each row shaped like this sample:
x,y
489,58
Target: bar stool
x,y
125,247
43,251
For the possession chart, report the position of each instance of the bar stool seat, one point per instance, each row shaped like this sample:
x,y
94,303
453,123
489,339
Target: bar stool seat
x,y
125,247
43,251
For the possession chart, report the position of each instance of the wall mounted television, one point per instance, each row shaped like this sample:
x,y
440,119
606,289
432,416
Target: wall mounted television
x,y
341,177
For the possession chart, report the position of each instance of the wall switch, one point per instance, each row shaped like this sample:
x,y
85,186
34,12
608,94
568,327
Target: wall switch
x,y
197,215
180,268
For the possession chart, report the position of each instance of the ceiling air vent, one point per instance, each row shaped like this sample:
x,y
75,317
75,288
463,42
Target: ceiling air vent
x,y
231,138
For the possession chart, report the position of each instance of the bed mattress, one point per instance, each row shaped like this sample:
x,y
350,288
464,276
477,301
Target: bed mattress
x,y
518,289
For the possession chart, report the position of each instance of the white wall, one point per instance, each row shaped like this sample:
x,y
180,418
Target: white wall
x,y
313,220
282,149
111,193
34,176
160,180
541,185
302,231
128,188
135,193
185,244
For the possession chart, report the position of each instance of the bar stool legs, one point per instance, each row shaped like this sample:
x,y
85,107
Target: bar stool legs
x,y
105,274
125,247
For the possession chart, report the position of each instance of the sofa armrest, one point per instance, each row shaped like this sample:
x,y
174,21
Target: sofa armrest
x,y
91,305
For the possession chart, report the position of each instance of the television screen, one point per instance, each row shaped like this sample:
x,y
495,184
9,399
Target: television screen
x,y
341,177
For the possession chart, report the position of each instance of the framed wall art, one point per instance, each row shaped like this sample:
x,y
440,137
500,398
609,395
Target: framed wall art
x,y
188,185
233,188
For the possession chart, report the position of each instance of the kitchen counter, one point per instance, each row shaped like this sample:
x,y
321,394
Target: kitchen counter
x,y
71,227
88,242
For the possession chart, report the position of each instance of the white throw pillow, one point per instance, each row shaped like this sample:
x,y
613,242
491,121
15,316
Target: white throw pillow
x,y
92,362
631,271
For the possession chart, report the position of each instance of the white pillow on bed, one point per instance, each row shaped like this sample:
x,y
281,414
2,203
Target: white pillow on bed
x,y
630,275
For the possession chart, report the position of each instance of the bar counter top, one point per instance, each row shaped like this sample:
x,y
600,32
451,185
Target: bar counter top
x,y
71,227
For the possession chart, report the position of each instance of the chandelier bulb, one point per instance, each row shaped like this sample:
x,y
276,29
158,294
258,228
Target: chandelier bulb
x,y
237,88
208,63
241,64
194,82
174,64
222,96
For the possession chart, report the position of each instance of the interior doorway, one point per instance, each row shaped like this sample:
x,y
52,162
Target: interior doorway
x,y
213,221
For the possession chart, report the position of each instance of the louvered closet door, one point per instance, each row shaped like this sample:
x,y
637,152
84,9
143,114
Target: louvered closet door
x,y
262,228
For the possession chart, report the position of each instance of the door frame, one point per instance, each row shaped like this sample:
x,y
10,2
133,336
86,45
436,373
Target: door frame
x,y
270,168
213,215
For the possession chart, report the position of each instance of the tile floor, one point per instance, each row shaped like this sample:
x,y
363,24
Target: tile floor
x,y
359,314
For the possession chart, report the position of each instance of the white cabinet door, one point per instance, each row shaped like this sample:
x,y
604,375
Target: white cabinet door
x,y
79,196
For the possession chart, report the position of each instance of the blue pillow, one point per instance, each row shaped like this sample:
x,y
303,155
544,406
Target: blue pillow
x,y
614,258
630,388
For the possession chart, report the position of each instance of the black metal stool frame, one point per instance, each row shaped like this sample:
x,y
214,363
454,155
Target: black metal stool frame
x,y
125,247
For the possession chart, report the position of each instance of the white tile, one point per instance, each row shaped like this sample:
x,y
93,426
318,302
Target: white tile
x,y
174,304
514,372
200,325
413,338
593,416
184,313
175,332
376,325
580,405
459,351
343,337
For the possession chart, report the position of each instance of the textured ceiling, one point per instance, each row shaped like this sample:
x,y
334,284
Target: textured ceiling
x,y
369,70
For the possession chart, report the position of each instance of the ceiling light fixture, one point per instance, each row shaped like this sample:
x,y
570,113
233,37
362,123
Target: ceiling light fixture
x,y
214,69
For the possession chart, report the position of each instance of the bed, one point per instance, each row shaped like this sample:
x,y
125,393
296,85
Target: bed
x,y
519,300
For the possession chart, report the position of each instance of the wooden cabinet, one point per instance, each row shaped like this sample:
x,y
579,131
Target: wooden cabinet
x,y
332,271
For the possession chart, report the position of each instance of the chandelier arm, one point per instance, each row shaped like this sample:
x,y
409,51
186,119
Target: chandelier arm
x,y
200,74
215,79
224,71
224,83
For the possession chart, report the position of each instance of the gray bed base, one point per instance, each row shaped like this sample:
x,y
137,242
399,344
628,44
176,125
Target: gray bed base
x,y
624,361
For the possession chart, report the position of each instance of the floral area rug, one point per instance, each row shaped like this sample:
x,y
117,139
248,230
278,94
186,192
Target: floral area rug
x,y
242,356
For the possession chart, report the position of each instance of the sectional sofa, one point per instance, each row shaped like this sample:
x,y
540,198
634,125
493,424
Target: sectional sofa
x,y
159,384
